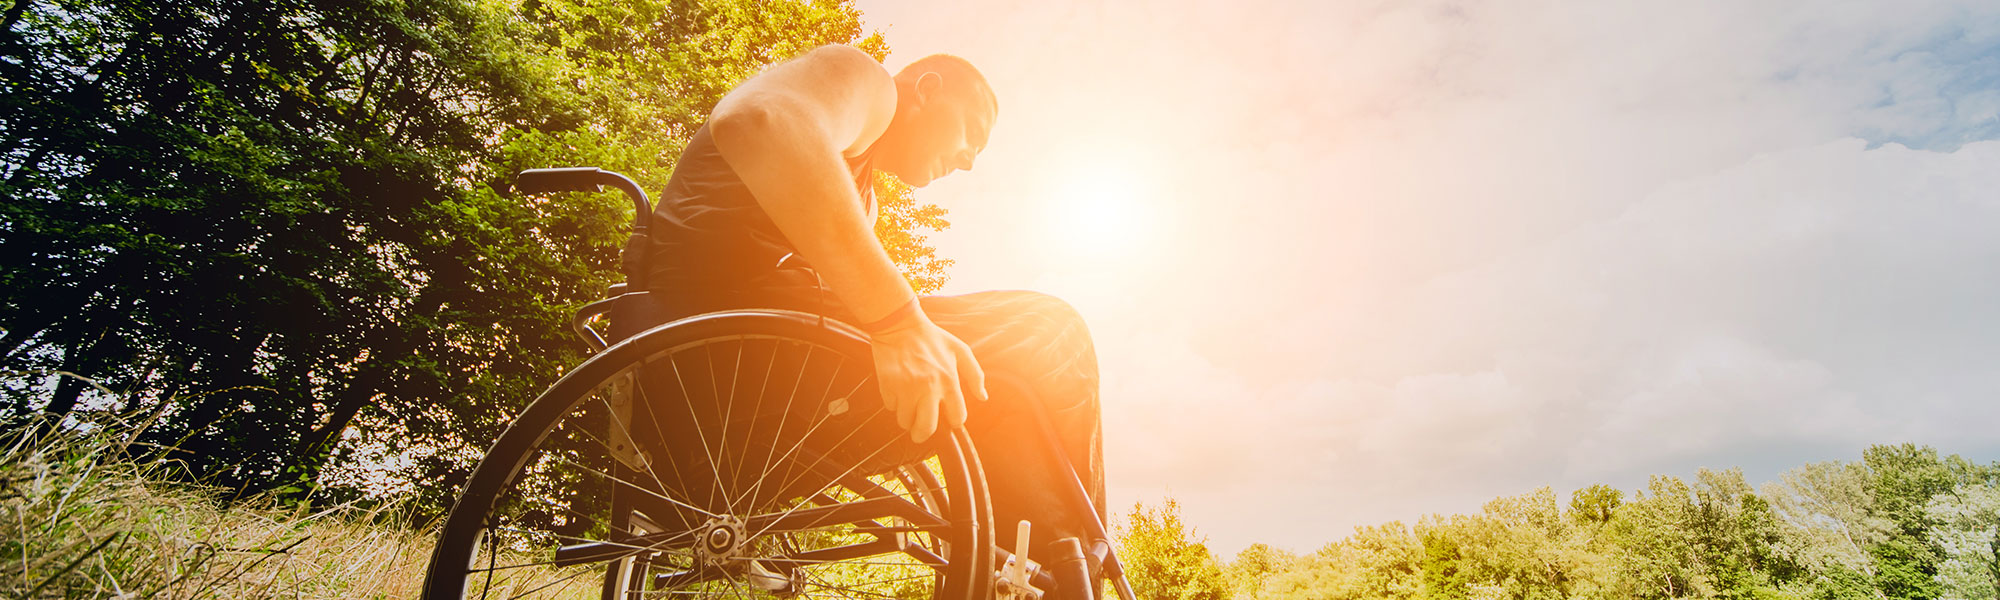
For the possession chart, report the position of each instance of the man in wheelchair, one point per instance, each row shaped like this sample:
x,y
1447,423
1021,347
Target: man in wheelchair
x,y
771,206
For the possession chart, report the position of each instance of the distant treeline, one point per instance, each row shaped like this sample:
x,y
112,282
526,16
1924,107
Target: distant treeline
x,y
1903,523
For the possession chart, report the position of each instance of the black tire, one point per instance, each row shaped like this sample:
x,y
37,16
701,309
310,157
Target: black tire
x,y
671,489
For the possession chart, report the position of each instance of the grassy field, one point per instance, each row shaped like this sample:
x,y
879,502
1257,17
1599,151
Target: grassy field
x,y
79,523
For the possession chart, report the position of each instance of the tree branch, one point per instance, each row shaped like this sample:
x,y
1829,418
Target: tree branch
x,y
12,17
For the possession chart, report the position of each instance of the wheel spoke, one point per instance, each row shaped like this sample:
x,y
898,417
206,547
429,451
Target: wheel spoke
x,y
823,488
789,453
633,439
825,395
640,400
687,401
583,493
634,486
722,435
783,415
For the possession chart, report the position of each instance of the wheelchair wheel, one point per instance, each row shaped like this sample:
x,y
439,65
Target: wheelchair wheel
x,y
736,454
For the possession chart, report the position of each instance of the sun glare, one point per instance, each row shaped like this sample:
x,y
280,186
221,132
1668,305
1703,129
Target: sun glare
x,y
1102,214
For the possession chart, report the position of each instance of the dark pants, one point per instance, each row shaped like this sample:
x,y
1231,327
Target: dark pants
x,y
1033,348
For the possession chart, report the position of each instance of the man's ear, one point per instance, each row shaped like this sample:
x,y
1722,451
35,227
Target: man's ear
x,y
929,86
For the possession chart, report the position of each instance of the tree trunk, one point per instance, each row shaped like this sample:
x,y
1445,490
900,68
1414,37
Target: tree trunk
x,y
189,438
68,390
79,358
318,444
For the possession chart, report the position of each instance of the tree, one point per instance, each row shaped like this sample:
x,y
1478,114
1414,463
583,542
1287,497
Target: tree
x,y
1830,515
247,199
1820,533
1164,559
1905,479
899,223
1447,571
1969,535
1739,539
1652,546
1382,561
1526,547
285,227
1595,504
1245,575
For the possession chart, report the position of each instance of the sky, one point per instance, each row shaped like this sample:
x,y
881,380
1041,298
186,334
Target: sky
x,y
1352,262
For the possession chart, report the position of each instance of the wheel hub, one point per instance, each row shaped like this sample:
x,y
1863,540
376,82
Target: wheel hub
x,y
722,539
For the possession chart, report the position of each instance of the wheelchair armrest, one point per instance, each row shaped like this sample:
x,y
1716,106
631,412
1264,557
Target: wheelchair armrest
x,y
614,297
590,312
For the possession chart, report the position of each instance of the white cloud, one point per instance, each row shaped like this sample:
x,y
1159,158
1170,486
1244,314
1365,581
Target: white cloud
x,y
1823,298
1431,253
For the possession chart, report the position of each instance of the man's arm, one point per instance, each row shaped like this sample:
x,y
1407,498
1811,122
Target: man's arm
x,y
785,133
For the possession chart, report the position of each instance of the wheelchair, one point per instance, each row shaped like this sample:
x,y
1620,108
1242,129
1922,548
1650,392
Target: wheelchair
x,y
742,453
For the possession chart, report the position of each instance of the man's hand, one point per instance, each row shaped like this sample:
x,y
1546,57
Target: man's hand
x,y
926,373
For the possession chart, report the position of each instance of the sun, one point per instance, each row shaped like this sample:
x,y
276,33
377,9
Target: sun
x,y
1102,214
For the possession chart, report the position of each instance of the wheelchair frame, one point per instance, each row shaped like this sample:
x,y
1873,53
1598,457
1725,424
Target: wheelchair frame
x,y
627,303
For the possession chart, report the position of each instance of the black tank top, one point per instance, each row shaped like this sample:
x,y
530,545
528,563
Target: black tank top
x,y
709,233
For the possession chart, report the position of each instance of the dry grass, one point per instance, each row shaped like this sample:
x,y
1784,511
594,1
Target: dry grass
x,y
77,523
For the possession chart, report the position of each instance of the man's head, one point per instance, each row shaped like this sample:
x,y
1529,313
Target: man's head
x,y
944,111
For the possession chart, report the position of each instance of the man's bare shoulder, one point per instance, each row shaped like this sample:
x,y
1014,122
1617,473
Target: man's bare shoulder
x,y
840,87
842,56
831,70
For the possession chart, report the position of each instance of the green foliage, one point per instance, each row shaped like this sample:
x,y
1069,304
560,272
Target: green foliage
x,y
1833,497
1163,558
1595,504
1446,572
1376,562
1842,583
285,227
899,223
1656,553
1862,530
1905,479
1968,534
1528,548
1905,568
244,200
1252,567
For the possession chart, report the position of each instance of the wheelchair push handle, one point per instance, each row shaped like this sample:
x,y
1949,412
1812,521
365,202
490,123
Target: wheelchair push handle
x,y
586,179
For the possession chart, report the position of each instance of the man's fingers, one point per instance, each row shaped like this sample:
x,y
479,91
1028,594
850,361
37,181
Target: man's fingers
x,y
968,387
906,409
970,374
926,422
951,404
954,413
